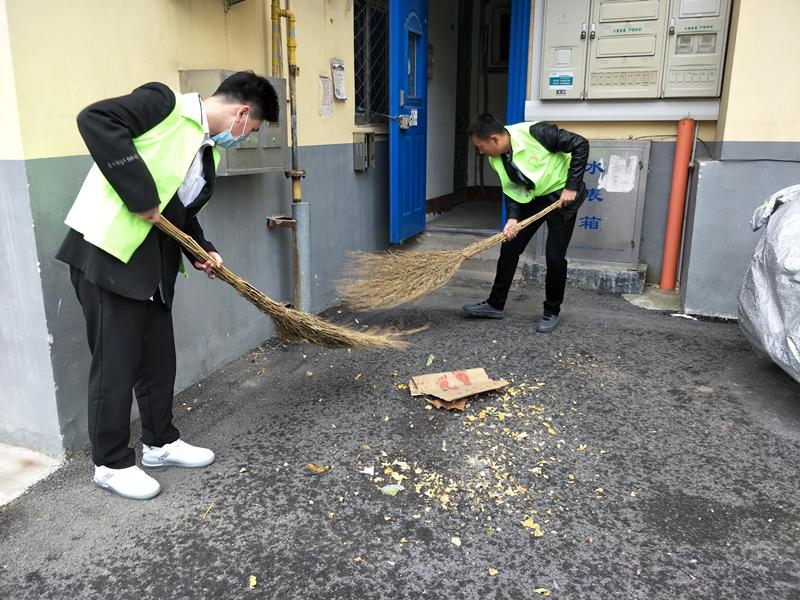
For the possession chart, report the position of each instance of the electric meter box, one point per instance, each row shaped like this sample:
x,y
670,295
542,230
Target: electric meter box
x,y
264,151
632,49
564,49
626,48
696,41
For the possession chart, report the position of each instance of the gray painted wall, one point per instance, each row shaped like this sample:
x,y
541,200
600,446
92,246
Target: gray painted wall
x,y
719,241
349,211
656,202
443,36
28,397
213,325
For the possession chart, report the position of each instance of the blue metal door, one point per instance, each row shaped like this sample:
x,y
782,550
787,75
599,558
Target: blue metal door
x,y
408,104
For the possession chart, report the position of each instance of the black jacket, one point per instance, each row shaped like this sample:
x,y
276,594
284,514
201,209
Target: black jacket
x,y
555,140
108,128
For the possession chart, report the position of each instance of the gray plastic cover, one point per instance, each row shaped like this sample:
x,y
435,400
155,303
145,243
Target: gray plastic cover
x,y
769,299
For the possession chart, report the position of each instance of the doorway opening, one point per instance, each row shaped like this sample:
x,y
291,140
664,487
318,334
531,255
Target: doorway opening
x,y
468,56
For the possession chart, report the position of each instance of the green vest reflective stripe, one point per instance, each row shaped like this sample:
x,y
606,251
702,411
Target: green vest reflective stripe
x,y
547,170
168,150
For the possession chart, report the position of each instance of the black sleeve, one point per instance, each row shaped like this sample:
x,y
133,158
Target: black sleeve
x,y
513,209
561,140
108,128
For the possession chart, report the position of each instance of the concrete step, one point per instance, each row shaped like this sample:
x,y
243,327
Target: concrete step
x,y
602,277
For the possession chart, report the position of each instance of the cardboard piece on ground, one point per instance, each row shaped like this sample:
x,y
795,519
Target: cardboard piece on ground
x,y
453,385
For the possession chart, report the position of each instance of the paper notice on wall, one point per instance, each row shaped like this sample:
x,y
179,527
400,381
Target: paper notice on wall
x,y
325,96
337,72
620,175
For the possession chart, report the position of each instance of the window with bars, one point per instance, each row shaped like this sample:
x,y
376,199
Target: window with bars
x,y
371,46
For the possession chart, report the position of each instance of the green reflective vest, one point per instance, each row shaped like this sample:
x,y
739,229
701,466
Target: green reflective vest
x,y
168,150
547,170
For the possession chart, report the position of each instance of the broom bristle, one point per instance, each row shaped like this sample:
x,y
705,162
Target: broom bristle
x,y
292,324
393,278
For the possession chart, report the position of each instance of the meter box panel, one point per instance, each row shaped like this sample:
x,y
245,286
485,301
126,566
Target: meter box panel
x,y
263,151
696,36
626,48
564,49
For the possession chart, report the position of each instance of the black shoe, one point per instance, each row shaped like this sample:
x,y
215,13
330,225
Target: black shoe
x,y
484,310
547,324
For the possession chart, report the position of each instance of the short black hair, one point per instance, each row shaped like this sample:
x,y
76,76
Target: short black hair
x,y
248,88
484,126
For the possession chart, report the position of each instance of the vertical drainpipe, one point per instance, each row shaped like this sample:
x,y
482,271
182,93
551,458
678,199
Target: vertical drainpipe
x,y
300,210
677,204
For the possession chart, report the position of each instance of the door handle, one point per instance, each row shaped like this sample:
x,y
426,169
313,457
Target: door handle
x,y
583,31
592,33
672,26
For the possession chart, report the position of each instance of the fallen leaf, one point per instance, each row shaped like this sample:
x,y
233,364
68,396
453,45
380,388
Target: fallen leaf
x,y
252,581
542,591
430,360
316,469
582,447
392,489
492,571
309,373
357,559
456,541
402,386
358,376
403,540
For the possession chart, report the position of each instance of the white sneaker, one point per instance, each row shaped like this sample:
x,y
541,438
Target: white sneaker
x,y
176,454
131,482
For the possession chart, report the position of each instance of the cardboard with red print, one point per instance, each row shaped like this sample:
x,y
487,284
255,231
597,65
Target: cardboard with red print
x,y
453,385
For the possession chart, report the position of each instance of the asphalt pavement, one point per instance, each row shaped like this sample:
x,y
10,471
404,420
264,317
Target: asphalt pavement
x,y
634,455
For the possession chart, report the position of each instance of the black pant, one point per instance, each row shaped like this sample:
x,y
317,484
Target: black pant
x,y
133,348
560,224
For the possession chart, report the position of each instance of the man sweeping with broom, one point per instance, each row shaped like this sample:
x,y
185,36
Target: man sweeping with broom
x,y
538,164
154,153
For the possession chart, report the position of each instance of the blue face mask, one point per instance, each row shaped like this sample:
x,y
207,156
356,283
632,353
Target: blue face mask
x,y
226,139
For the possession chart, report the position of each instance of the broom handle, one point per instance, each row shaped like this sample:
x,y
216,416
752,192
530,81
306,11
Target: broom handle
x,y
195,249
525,222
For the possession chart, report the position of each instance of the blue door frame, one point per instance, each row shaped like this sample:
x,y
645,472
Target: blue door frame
x,y
408,105
517,69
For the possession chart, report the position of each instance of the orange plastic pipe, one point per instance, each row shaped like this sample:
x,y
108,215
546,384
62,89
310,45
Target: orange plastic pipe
x,y
677,204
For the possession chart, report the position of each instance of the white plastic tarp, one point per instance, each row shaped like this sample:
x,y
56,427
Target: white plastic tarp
x,y
769,299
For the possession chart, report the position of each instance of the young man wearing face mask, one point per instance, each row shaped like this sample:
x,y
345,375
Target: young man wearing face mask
x,y
154,153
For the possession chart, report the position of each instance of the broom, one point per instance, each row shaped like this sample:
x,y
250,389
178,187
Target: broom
x,y
392,278
292,325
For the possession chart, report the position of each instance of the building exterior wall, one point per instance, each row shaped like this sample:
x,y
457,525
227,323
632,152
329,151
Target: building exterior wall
x,y
757,152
